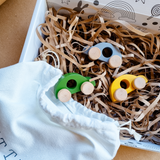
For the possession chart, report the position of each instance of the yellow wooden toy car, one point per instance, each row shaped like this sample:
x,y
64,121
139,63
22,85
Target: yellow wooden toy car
x,y
118,92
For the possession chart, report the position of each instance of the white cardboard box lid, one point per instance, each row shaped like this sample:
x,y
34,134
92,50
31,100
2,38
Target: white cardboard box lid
x,y
143,14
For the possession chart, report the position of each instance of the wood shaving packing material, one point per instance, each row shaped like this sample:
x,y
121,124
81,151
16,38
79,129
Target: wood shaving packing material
x,y
70,35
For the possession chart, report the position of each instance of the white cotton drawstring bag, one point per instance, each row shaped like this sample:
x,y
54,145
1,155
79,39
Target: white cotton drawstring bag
x,y
34,125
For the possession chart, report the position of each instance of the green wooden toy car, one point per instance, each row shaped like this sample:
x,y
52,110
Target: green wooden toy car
x,y
71,83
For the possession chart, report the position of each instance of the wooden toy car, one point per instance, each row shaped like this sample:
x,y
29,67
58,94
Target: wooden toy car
x,y
71,83
105,52
125,84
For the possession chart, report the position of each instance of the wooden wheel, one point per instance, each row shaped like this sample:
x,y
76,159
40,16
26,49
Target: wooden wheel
x,y
87,88
94,53
115,61
139,83
64,95
120,94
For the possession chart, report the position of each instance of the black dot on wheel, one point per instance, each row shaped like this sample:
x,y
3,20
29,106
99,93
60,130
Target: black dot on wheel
x,y
155,23
144,24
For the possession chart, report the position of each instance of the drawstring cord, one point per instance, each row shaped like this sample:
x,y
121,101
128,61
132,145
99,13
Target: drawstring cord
x,y
131,131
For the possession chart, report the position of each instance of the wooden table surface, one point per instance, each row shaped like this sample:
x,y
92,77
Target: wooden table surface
x,y
15,16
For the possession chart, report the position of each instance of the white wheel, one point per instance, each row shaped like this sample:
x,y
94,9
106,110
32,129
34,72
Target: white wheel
x,y
115,61
87,88
64,95
139,83
94,53
120,94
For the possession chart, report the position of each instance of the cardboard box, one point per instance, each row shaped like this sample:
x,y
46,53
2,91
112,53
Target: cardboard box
x,y
143,14
2,1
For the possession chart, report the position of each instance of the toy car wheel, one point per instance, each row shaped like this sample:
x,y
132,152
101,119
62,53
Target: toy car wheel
x,y
64,95
139,83
115,61
87,88
120,94
94,53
